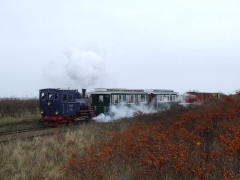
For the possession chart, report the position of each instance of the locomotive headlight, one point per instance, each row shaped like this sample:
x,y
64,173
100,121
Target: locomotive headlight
x,y
57,112
49,103
42,111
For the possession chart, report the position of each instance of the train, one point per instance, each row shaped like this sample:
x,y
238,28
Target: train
x,y
59,106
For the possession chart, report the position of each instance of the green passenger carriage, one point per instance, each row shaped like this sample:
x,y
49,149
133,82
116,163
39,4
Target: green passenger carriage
x,y
103,98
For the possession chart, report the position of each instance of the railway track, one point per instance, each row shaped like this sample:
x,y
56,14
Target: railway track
x,y
30,132
21,131
17,128
25,138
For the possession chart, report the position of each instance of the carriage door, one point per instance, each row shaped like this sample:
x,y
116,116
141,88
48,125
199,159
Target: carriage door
x,y
100,104
64,103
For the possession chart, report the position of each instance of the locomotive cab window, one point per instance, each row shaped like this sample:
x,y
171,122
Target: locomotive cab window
x,y
49,95
64,97
70,97
42,95
56,96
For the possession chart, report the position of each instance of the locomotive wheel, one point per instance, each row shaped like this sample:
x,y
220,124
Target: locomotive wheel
x,y
87,120
67,123
75,122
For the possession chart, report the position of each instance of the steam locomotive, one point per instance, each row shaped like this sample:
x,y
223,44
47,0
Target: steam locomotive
x,y
60,106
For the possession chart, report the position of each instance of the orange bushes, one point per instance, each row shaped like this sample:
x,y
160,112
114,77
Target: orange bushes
x,y
203,143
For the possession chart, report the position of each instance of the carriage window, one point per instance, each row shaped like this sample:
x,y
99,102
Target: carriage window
x,y
141,98
120,98
165,98
168,98
173,97
101,98
160,98
55,95
117,99
130,98
127,98
70,97
50,96
114,99
64,97
43,95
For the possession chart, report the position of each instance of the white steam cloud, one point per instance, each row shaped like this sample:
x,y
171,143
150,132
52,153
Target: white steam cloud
x,y
81,69
85,67
121,111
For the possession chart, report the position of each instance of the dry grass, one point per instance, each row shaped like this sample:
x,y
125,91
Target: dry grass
x,y
201,142
15,120
43,157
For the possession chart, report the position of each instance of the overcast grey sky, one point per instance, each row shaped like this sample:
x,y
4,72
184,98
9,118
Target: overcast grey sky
x,y
163,44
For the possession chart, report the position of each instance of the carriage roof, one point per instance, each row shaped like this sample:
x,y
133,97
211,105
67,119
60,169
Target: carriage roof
x,y
131,91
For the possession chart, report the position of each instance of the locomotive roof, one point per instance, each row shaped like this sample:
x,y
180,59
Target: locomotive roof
x,y
59,89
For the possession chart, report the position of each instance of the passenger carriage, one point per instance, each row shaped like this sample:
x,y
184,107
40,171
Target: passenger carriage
x,y
103,98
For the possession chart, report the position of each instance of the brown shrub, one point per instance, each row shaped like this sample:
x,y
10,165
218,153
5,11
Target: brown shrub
x,y
18,107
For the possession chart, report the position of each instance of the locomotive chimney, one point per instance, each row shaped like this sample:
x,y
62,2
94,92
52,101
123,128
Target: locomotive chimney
x,y
83,93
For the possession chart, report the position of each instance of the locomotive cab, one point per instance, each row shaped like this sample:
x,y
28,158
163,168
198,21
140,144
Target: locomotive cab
x,y
58,102
62,106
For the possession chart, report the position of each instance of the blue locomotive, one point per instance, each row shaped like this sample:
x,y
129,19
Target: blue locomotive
x,y
60,106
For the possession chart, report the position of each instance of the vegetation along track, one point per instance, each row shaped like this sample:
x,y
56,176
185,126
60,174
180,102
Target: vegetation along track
x,y
31,132
6,141
20,131
20,127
